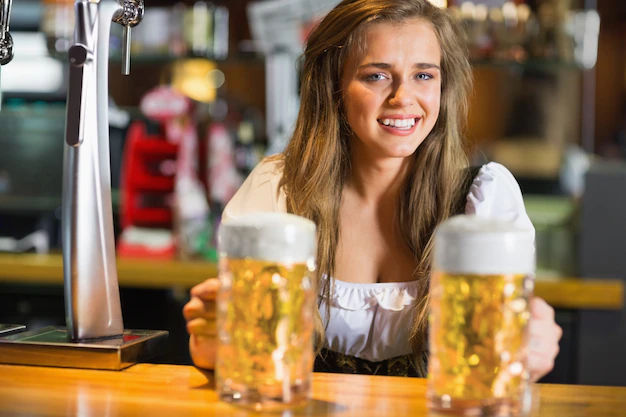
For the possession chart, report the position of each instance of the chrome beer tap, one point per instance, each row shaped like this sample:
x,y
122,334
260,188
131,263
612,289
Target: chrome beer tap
x,y
92,299
6,41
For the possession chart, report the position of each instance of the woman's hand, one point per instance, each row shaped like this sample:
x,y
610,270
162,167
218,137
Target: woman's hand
x,y
200,313
543,344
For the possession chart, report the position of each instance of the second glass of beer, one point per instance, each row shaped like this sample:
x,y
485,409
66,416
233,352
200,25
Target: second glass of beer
x,y
265,309
480,290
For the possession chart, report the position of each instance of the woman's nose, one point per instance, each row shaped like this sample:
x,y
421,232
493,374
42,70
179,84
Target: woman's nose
x,y
402,95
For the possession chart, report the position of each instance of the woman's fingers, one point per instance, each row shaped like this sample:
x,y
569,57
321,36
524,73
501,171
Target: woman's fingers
x,y
544,336
200,314
198,308
202,327
544,333
202,303
206,290
543,347
539,309
539,366
193,309
203,351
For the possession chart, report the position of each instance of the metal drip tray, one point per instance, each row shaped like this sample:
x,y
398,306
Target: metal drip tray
x,y
50,346
11,328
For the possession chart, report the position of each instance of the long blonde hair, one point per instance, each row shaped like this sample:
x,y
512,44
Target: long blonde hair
x,y
317,159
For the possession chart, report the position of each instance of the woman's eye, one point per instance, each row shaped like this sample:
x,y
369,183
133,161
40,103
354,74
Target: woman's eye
x,y
375,77
424,76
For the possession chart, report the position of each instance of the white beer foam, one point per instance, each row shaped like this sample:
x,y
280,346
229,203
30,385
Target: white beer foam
x,y
471,244
274,237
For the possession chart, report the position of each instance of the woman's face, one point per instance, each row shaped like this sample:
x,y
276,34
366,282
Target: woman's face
x,y
393,92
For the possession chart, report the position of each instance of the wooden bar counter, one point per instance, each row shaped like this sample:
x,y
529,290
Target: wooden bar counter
x,y
570,293
170,390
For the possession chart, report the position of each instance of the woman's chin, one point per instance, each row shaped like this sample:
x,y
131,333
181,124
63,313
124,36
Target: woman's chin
x,y
402,152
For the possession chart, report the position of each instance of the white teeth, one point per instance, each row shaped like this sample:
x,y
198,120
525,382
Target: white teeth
x,y
399,123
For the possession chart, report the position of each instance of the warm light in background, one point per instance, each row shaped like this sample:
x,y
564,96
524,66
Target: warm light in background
x,y
198,79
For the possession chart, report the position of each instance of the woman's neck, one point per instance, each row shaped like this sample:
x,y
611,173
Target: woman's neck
x,y
377,180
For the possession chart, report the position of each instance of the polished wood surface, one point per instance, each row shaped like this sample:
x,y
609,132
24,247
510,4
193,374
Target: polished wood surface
x,y
170,390
573,293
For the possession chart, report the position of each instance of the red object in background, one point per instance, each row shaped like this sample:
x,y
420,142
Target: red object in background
x,y
151,173
140,176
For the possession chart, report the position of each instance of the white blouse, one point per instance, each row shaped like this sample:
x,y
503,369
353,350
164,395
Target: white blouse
x,y
373,321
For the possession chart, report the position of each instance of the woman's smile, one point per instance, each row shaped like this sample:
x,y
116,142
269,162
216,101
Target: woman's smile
x,y
399,125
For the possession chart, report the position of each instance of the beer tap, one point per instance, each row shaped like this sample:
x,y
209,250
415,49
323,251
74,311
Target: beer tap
x,y
92,300
6,41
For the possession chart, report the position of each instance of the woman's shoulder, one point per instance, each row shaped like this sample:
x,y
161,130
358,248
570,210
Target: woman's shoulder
x,y
269,168
261,191
496,193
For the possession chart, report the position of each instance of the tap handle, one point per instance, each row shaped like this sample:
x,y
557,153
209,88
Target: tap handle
x,y
129,14
126,51
5,12
79,56
6,41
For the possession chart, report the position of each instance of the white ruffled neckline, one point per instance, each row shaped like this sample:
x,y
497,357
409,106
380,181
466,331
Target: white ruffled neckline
x,y
394,296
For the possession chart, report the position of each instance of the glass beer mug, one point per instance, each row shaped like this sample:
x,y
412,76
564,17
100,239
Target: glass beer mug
x,y
265,310
482,281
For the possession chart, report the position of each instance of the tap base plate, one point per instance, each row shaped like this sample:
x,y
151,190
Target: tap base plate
x,y
51,346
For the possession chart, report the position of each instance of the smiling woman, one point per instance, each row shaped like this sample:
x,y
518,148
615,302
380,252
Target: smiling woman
x,y
377,161
392,91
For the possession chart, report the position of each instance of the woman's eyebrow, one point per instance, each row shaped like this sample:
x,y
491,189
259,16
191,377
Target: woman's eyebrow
x,y
426,65
383,65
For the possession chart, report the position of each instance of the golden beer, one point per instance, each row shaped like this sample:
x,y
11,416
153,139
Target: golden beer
x,y
479,338
266,329
266,306
479,318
